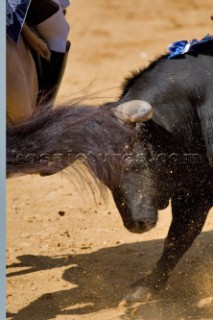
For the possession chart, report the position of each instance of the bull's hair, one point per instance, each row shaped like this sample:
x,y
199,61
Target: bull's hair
x,y
135,75
89,133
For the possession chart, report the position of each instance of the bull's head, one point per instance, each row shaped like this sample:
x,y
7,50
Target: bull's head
x,y
136,194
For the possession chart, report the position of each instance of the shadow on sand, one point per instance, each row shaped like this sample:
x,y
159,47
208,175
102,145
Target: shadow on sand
x,y
103,277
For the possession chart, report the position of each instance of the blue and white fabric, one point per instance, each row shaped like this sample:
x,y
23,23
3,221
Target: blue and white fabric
x,y
181,47
16,11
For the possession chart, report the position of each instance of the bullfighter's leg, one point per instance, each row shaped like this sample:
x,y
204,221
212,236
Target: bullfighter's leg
x,y
189,216
49,21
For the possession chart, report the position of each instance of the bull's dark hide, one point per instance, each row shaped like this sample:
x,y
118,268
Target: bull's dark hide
x,y
169,157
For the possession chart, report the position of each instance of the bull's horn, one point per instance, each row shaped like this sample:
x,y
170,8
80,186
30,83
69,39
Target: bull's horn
x,y
134,111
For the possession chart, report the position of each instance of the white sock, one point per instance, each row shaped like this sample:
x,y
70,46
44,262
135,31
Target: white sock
x,y
55,31
64,4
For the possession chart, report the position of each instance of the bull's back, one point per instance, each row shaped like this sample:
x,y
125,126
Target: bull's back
x,y
180,92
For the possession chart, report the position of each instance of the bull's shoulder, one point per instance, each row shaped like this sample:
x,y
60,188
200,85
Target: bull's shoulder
x,y
189,69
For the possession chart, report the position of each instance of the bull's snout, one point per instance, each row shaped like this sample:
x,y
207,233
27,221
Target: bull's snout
x,y
140,226
142,218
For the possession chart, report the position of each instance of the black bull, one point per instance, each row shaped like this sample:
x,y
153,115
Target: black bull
x,y
144,164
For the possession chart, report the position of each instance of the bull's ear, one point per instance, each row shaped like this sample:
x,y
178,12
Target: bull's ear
x,y
134,111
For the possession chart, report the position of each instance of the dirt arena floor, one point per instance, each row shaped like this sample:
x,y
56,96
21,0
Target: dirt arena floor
x,y
68,256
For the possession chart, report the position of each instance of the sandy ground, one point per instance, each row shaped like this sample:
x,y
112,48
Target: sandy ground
x,y
79,265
